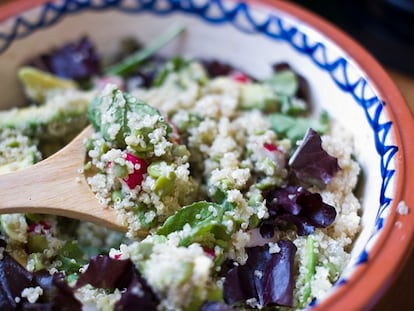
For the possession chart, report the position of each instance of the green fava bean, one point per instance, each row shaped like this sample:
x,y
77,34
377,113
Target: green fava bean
x,y
117,196
164,185
155,169
37,243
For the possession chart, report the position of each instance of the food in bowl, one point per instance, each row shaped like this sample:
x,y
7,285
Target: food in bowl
x,y
233,194
354,92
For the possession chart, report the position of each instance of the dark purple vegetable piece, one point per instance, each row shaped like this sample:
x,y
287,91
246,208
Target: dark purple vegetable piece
x,y
320,214
138,296
57,295
266,277
310,164
75,60
302,224
281,66
106,272
284,199
267,228
216,306
298,206
13,279
216,68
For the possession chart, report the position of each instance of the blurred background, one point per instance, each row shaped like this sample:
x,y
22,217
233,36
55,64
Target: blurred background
x,y
386,29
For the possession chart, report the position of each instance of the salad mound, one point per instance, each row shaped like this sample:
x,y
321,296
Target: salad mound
x,y
235,195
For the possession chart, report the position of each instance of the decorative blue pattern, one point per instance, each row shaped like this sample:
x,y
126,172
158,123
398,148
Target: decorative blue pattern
x,y
275,29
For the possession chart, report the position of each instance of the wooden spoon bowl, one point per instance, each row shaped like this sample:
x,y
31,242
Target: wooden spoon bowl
x,y
57,186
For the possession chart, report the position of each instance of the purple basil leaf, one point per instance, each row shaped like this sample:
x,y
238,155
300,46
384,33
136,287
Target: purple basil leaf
x,y
138,296
13,279
310,164
278,277
239,285
74,60
297,206
106,272
216,306
285,199
266,276
57,295
267,228
216,68
38,307
320,214
302,224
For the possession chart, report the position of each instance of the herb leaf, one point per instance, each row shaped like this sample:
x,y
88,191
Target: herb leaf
x,y
310,164
294,128
14,279
267,277
109,273
105,272
205,220
117,108
298,206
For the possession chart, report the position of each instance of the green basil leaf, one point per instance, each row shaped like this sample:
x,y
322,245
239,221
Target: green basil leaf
x,y
205,220
117,108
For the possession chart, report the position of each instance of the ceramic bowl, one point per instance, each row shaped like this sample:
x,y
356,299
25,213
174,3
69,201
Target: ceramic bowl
x,y
344,80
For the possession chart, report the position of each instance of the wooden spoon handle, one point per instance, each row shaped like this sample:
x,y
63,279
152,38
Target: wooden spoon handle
x,y
56,186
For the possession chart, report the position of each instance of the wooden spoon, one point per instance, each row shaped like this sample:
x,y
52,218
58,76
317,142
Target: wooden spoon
x,y
57,186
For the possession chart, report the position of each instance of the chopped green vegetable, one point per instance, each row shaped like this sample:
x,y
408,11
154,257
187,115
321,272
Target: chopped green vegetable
x,y
37,84
37,243
284,82
164,177
53,120
36,258
260,96
164,184
310,264
295,128
72,257
334,271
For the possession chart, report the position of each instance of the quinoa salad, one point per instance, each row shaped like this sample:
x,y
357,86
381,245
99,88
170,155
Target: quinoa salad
x,y
235,193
